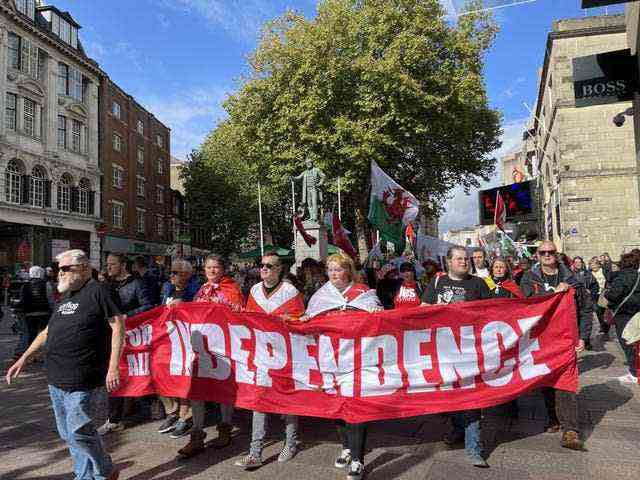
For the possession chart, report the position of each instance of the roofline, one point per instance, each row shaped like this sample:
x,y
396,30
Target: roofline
x,y
66,15
30,26
582,32
131,98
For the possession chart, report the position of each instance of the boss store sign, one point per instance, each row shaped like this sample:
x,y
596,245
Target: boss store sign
x,y
608,77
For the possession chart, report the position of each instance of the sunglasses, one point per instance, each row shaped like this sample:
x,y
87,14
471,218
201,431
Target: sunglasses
x,y
176,272
67,268
549,253
268,266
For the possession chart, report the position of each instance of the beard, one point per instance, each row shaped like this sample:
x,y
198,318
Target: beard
x,y
69,285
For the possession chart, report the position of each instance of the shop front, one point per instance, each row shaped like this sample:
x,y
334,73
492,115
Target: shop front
x,y
153,252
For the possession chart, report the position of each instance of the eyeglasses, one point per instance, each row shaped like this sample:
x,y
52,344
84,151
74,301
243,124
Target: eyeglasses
x,y
67,268
268,266
547,253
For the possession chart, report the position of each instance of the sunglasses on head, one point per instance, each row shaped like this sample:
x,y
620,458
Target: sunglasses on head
x,y
268,266
547,252
67,268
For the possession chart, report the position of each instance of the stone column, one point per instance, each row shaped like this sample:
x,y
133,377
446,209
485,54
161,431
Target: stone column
x,y
318,251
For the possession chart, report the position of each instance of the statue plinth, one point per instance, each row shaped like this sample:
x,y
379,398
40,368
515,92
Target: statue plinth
x,y
317,251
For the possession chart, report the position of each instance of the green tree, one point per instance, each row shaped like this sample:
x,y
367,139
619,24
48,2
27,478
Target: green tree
x,y
383,80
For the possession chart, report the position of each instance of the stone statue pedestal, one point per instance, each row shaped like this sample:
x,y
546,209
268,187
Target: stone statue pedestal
x,y
318,251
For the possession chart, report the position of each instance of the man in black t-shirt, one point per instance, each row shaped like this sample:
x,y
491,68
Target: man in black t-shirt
x,y
84,341
460,286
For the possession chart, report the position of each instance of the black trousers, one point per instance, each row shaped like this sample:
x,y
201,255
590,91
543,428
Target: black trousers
x,y
604,326
116,409
562,408
353,437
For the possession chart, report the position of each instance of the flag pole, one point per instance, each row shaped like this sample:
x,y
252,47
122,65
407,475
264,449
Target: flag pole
x,y
260,218
293,211
339,203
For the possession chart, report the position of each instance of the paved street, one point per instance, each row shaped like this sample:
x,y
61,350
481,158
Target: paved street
x,y
409,449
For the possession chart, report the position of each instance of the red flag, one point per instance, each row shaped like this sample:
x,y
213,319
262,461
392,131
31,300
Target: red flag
x,y
340,238
500,216
411,235
308,239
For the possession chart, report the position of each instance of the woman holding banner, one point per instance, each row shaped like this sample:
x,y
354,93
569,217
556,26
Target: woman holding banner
x,y
221,289
335,297
274,296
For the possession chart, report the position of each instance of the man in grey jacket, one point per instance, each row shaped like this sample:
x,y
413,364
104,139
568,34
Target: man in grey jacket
x,y
546,278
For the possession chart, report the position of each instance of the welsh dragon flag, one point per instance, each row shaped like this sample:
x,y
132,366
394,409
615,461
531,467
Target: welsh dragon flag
x,y
392,207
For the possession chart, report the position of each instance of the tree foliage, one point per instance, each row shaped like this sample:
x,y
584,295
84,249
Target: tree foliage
x,y
383,80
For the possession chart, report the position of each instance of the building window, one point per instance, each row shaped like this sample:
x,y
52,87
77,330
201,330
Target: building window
x,y
115,109
38,179
23,55
140,186
140,127
84,193
160,225
117,142
76,136
64,193
140,223
117,176
13,177
11,111
62,131
27,7
65,31
14,51
117,215
29,117
141,157
70,82
159,194
160,166
159,141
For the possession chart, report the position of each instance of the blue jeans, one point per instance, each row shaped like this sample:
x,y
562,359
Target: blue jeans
x,y
72,410
259,431
467,424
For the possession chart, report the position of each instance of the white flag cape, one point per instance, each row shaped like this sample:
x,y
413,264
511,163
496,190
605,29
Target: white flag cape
x,y
329,298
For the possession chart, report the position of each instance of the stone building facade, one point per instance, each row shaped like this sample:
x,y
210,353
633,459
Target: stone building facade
x,y
588,169
135,158
50,177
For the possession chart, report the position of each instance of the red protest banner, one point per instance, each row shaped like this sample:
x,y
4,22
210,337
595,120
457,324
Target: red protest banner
x,y
355,365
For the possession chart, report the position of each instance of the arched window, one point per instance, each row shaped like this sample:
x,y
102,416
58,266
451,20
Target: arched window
x,y
83,196
38,187
64,193
13,183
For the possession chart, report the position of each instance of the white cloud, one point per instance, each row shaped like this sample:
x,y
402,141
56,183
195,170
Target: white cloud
x,y
241,19
512,90
462,210
190,115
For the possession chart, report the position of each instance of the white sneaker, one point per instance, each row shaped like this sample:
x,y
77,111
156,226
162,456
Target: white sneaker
x,y
356,470
343,460
628,378
109,427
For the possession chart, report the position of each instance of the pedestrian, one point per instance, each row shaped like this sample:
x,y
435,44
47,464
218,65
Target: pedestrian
x,y
34,308
431,269
150,281
596,270
585,277
84,340
336,297
274,296
458,285
499,280
607,266
480,266
548,277
134,298
182,286
221,289
624,301
409,291
388,284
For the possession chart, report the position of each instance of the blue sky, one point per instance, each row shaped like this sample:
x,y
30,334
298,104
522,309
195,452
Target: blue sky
x,y
180,58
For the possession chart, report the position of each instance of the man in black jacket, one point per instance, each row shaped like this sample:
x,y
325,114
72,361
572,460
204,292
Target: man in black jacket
x,y
150,281
34,307
134,298
546,278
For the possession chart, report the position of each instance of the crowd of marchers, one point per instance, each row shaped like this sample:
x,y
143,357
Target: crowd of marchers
x,y
80,317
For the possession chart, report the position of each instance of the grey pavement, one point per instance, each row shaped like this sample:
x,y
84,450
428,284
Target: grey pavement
x,y
399,449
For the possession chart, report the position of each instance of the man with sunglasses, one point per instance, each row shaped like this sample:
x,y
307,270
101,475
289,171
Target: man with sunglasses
x,y
84,340
547,277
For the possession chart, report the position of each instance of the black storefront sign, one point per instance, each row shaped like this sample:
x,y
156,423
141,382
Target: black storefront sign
x,y
602,3
604,78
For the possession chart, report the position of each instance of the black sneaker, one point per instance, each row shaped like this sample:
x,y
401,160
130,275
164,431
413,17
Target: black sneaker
x,y
169,424
182,428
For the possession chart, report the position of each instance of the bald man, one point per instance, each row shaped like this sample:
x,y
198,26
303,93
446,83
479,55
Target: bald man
x,y
546,278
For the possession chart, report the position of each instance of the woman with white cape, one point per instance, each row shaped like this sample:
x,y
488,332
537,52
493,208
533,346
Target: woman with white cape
x,y
335,297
